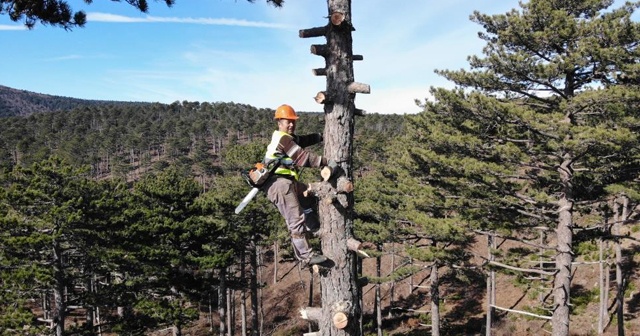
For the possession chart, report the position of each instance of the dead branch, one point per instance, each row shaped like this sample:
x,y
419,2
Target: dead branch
x,y
521,312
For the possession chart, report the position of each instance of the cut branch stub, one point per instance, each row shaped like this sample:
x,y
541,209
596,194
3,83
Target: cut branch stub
x,y
340,320
344,185
322,98
340,314
359,112
326,192
356,87
337,18
357,57
319,72
355,246
313,32
311,313
323,190
328,170
320,50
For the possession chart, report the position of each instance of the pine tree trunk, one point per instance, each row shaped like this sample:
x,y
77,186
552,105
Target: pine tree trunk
x,y
254,289
230,310
378,294
602,304
435,300
562,282
339,286
490,285
90,310
243,294
222,300
259,298
59,311
275,261
392,285
619,276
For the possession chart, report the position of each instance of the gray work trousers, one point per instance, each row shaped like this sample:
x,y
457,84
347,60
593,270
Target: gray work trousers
x,y
287,195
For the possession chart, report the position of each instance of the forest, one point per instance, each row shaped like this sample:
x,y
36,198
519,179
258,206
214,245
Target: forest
x,y
509,205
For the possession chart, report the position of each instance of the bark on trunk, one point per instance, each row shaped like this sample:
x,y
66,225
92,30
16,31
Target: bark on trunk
x,y
378,293
275,262
435,299
59,311
243,295
222,301
562,282
619,219
231,316
255,327
602,303
339,286
490,286
90,310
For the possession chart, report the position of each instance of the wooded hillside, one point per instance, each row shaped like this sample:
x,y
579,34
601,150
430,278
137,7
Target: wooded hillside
x,y
14,102
135,225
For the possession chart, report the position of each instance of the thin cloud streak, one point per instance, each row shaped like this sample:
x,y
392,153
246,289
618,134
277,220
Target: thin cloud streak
x,y
13,27
112,18
64,58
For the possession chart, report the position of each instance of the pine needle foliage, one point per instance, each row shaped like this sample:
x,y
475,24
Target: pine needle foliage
x,y
540,127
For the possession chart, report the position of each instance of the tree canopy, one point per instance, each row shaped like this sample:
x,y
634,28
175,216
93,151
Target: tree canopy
x,y
540,127
59,13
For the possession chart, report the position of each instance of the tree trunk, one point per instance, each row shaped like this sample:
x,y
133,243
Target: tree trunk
x,y
562,282
59,311
340,291
618,220
222,300
254,288
89,309
360,298
490,284
378,294
339,286
260,310
231,317
243,295
275,261
602,304
435,299
392,285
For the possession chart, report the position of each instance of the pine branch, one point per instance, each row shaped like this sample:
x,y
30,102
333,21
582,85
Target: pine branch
x,y
524,241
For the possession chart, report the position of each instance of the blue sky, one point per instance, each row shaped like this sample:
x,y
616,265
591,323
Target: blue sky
x,y
232,50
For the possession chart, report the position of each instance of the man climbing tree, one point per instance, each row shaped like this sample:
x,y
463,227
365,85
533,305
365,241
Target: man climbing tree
x,y
283,188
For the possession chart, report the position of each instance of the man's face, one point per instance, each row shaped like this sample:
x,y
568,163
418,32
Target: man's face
x,y
287,126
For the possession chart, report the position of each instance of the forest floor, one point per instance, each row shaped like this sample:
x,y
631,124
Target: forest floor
x,y
463,309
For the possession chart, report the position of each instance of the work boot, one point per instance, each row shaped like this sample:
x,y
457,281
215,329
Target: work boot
x,y
314,259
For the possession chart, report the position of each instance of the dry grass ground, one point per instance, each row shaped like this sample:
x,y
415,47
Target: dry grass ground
x,y
406,303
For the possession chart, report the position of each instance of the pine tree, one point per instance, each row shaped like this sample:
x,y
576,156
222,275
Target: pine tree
x,y
160,245
540,125
48,242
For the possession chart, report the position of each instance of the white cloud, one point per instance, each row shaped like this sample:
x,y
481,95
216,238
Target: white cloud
x,y
64,58
113,18
13,27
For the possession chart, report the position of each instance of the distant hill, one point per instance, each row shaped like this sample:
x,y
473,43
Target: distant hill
x,y
14,102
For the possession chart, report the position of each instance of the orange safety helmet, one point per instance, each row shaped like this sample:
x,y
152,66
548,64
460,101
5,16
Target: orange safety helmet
x,y
285,112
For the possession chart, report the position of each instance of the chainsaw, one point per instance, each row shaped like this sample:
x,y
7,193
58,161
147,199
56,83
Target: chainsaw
x,y
256,177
